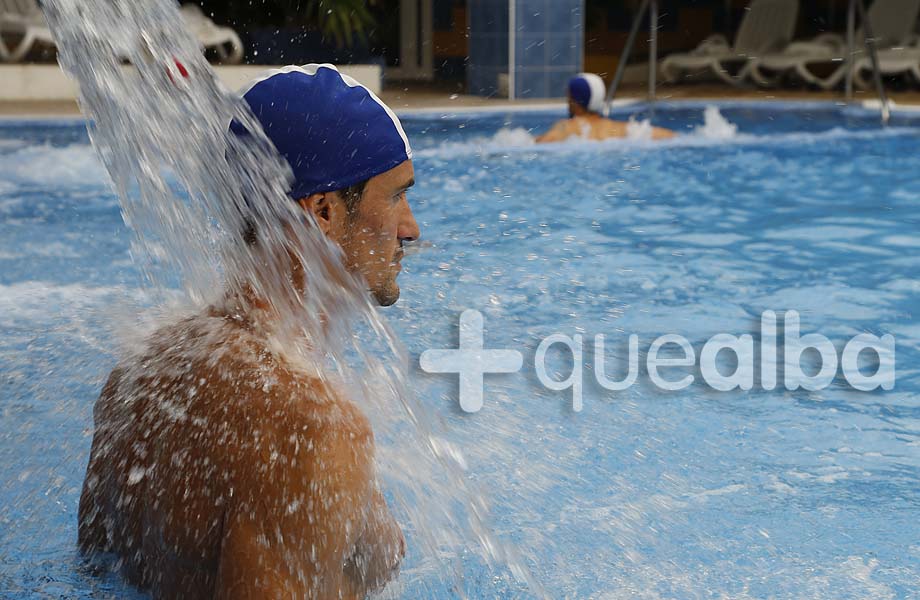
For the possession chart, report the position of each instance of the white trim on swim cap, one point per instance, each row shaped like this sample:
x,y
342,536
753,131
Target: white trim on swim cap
x,y
598,92
311,70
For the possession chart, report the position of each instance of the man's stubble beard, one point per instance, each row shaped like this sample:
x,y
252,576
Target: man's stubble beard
x,y
386,296
386,293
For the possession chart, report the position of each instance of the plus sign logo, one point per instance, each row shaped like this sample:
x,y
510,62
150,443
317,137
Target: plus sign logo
x,y
471,361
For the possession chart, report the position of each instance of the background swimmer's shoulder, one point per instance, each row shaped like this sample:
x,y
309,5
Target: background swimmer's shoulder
x,y
608,128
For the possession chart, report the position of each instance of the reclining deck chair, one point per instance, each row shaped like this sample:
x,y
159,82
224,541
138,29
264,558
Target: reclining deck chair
x,y
222,40
822,61
903,52
891,62
768,25
22,19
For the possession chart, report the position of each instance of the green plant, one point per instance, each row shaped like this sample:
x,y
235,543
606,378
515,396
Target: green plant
x,y
345,21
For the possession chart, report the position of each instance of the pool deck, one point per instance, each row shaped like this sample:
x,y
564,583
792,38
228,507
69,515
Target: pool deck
x,y
420,96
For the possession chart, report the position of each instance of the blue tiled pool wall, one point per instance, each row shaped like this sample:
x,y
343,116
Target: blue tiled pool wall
x,y
548,42
488,49
549,37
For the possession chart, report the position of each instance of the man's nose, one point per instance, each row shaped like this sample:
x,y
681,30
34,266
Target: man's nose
x,y
408,228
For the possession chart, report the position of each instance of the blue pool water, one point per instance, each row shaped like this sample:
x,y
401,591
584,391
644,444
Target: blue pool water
x,y
644,493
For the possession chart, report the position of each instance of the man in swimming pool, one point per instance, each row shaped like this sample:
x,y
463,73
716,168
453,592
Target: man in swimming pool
x,y
220,470
586,95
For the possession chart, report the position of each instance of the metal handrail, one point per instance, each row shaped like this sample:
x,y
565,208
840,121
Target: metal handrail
x,y
857,5
851,48
652,56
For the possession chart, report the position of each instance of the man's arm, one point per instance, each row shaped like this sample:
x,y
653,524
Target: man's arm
x,y
379,549
300,510
91,530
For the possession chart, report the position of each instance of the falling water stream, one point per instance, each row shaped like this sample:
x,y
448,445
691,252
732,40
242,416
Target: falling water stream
x,y
159,121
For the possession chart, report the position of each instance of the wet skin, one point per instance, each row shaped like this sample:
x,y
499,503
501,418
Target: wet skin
x,y
219,470
584,124
372,238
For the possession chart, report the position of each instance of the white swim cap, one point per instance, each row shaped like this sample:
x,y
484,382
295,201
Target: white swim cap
x,y
589,91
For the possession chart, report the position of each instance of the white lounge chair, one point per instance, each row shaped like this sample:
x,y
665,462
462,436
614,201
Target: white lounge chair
x,y
822,61
22,19
768,25
891,62
903,54
772,68
222,40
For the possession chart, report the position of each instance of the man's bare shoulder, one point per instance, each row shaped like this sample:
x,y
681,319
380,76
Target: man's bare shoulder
x,y
208,369
608,128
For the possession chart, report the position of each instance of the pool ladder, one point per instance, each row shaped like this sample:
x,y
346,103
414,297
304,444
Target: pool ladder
x,y
651,7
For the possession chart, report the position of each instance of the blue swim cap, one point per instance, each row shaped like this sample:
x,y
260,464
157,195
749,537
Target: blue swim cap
x,y
333,131
588,90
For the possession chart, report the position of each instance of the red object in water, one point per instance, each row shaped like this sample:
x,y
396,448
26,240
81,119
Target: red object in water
x,y
182,71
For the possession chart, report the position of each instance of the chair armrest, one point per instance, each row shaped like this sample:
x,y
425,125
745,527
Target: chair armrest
x,y
829,39
714,44
826,47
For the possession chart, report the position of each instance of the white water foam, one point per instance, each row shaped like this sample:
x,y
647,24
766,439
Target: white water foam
x,y
715,126
12,144
639,130
516,137
505,140
40,302
39,165
715,131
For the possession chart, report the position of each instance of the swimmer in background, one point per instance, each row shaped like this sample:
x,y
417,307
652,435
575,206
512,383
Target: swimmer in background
x,y
218,468
586,96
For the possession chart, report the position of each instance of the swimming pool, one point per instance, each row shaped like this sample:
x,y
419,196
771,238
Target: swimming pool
x,y
644,493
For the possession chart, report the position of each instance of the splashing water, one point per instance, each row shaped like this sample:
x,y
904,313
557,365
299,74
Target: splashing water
x,y
715,126
639,130
188,187
517,136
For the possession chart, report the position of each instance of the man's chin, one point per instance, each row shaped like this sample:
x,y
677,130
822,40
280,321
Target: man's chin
x,y
387,296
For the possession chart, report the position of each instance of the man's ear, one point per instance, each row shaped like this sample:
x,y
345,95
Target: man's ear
x,y
318,205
